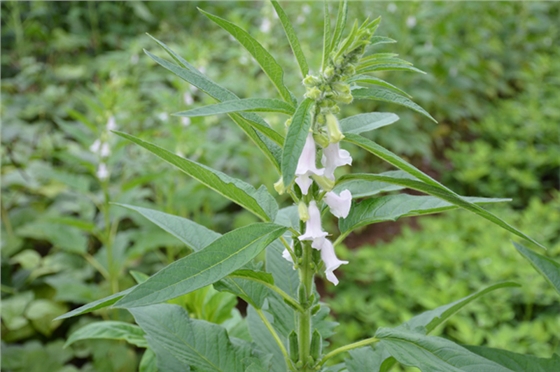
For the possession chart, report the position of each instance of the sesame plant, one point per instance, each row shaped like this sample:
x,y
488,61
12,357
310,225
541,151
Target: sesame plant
x,y
286,321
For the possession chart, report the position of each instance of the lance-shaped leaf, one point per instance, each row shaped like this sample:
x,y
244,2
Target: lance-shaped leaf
x,y
379,94
517,362
434,354
222,257
295,139
110,330
251,286
326,34
429,320
196,343
361,188
96,305
376,40
547,267
292,38
366,79
427,184
259,202
195,236
267,139
248,104
341,17
366,122
267,62
393,207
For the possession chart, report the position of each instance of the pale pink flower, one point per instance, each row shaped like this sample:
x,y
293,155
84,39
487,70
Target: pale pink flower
x,y
329,258
334,157
339,204
306,165
313,229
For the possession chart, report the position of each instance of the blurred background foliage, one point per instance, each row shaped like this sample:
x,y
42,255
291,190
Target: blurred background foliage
x,y
71,69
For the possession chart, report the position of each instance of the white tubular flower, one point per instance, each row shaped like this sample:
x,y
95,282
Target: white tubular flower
x,y
287,256
313,229
111,123
339,204
307,165
185,121
329,258
102,172
333,157
95,146
188,98
105,150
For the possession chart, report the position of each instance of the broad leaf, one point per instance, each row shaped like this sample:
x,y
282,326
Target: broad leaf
x,y
148,363
196,343
259,202
366,79
366,122
427,184
96,305
379,94
368,359
268,64
251,286
433,354
361,188
295,139
195,236
547,267
264,341
222,257
110,330
267,139
392,207
285,277
517,362
429,320
292,38
248,104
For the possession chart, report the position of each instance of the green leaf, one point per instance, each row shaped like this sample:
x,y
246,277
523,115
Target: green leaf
x,y
222,257
285,277
267,139
517,362
148,362
547,267
295,139
360,188
195,236
196,343
259,202
268,64
326,34
264,341
248,104
429,320
396,66
366,122
376,40
433,354
428,184
96,305
292,38
341,17
365,79
139,277
110,330
392,207
367,359
378,94
250,285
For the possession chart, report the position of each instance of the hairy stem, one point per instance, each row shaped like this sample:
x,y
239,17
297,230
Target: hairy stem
x,y
304,318
276,338
367,341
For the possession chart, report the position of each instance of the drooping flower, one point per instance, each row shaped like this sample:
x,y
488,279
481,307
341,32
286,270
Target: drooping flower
x,y
105,150
339,204
307,165
333,128
102,172
95,146
313,229
333,157
329,258
111,123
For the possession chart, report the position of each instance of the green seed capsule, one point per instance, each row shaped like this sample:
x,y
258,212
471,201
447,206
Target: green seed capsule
x,y
316,345
293,346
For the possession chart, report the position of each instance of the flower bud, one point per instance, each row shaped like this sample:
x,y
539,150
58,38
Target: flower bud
x,y
303,212
346,99
313,93
311,81
325,183
288,122
329,72
279,186
335,135
321,139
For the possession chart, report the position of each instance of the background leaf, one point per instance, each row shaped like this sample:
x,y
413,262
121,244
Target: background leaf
x,y
111,330
366,122
547,267
247,104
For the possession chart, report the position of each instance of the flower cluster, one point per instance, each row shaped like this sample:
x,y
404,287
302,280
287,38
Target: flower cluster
x,y
101,148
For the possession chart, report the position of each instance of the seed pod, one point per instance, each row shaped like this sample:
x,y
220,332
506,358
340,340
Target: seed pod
x,y
316,345
293,346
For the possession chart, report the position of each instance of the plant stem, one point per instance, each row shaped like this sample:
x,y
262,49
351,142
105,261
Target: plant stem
x,y
276,338
109,234
304,318
342,349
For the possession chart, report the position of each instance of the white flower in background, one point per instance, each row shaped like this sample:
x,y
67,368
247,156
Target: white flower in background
x,y
186,121
313,229
339,204
266,25
329,258
333,157
411,21
202,69
163,116
95,146
188,98
307,165
105,150
392,7
102,172
134,59
111,123
306,9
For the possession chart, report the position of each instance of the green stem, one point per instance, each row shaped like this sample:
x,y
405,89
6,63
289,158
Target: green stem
x,y
342,349
304,318
276,338
109,234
